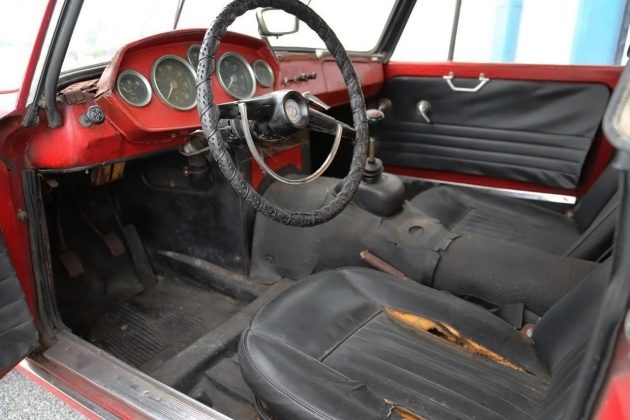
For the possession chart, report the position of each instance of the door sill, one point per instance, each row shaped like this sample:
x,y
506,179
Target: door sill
x,y
101,381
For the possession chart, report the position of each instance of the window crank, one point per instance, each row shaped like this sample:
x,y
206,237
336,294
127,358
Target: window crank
x,y
424,109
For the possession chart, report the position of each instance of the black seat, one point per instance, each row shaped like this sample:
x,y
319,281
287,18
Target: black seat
x,y
588,235
360,344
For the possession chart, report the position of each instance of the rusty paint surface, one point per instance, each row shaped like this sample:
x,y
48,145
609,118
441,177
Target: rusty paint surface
x,y
107,173
448,333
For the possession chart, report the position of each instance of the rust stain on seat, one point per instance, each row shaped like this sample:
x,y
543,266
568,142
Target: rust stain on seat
x,y
448,333
403,412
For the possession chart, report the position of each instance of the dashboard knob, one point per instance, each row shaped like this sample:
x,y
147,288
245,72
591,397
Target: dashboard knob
x,y
93,116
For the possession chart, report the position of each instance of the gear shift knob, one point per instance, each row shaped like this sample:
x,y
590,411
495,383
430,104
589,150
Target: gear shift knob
x,y
374,116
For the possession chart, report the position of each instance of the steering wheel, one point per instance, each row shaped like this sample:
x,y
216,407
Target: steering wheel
x,y
280,114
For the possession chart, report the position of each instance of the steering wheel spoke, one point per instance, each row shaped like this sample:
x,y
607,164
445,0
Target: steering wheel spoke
x,y
260,160
324,123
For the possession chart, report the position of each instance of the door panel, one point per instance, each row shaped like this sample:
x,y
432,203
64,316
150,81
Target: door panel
x,y
531,127
538,132
17,332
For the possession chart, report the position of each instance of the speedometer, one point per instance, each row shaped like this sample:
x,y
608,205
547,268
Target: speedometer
x,y
174,82
236,76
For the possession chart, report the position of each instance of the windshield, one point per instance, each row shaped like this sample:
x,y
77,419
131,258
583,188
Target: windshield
x,y
19,22
103,28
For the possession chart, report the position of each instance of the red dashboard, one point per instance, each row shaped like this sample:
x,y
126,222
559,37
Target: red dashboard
x,y
131,130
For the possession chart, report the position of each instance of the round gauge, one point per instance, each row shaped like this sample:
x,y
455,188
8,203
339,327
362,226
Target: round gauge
x,y
263,73
236,76
174,82
193,55
134,88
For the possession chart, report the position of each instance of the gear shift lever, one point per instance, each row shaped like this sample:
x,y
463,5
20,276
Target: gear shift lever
x,y
380,193
375,117
373,167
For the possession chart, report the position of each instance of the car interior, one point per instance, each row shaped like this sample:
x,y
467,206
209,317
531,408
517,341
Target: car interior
x,y
460,277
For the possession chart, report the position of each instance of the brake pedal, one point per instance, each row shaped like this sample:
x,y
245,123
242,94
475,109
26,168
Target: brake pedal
x,y
112,241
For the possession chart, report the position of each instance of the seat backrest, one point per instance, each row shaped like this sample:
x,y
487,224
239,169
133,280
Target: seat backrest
x,y
596,198
562,335
597,240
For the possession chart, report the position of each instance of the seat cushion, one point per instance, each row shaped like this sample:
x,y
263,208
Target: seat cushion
x,y
481,214
356,343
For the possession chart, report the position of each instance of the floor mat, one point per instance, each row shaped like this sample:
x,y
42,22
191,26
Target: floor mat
x,y
152,327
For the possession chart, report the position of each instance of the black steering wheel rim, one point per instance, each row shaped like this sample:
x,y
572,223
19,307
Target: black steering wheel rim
x,y
209,113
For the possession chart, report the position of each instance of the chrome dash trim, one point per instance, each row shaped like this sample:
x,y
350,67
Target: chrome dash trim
x,y
506,192
143,394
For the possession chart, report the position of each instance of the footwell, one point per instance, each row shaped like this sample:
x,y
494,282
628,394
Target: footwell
x,y
155,325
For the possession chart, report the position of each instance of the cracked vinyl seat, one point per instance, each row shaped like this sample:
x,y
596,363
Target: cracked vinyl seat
x,y
360,344
588,235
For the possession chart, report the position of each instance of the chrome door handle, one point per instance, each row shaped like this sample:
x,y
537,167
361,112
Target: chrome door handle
x,y
424,109
451,76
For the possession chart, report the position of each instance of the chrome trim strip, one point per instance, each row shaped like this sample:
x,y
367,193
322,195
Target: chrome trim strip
x,y
249,70
33,371
268,68
157,89
71,355
143,80
506,192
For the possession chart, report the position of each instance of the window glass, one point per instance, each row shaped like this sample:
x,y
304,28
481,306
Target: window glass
x,y
517,31
19,24
428,32
101,31
547,31
477,31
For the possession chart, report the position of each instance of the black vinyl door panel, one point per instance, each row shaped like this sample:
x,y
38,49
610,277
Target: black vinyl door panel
x,y
537,132
17,331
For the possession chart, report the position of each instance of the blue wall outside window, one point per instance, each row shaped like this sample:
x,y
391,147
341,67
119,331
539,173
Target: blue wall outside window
x,y
596,37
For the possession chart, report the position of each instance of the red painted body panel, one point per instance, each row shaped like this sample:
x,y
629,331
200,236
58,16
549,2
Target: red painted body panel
x,y
329,84
15,231
614,402
600,154
31,68
137,124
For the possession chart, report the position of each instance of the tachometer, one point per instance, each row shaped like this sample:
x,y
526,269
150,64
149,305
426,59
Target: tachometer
x,y
174,82
193,55
134,88
263,73
236,76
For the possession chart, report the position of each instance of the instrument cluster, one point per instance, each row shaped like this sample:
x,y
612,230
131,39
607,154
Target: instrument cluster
x,y
173,79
